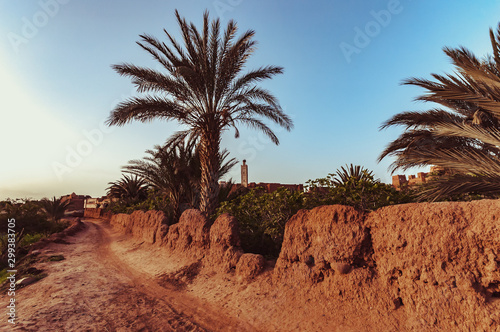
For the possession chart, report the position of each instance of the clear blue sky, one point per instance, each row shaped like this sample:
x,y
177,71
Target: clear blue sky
x,y
57,85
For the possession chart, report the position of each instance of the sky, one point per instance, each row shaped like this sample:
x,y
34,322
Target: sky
x,y
343,66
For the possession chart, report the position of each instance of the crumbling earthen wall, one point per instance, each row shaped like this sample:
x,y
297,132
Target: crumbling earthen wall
x,y
92,213
429,266
192,238
439,262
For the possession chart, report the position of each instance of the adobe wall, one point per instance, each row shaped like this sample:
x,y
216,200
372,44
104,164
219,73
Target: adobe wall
x,y
92,213
192,238
433,265
429,266
439,262
97,213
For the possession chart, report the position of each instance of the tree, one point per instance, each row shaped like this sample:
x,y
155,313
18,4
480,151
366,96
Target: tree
x,y
464,137
128,188
203,89
174,171
55,208
354,186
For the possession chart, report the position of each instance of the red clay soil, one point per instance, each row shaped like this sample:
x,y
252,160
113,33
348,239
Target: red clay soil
x,y
413,267
92,289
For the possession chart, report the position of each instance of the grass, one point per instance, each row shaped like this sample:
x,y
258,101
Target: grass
x,y
39,276
56,258
31,238
3,276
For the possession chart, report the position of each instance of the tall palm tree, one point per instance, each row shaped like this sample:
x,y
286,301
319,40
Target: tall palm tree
x,y
54,208
202,88
174,170
128,188
464,137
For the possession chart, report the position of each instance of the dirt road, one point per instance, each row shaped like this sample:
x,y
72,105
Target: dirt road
x,y
92,289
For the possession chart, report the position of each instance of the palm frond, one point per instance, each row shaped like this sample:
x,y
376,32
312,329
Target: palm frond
x,y
459,184
145,109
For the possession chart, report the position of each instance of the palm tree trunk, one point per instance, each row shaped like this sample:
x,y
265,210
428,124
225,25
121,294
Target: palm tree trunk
x,y
176,205
209,159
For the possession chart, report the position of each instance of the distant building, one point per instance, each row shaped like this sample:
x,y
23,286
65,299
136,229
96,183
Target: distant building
x,y
244,174
95,203
77,202
268,187
399,181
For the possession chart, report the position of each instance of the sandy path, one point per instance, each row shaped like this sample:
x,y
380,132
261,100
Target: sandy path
x,y
94,290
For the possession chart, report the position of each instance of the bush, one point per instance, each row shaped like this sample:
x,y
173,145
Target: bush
x,y
154,201
262,217
30,217
31,224
354,187
32,238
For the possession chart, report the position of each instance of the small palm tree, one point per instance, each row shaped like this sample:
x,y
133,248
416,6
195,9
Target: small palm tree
x,y
129,188
174,170
464,137
203,88
55,208
353,174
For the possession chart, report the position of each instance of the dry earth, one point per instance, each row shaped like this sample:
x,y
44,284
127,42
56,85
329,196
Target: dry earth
x,y
93,289
413,267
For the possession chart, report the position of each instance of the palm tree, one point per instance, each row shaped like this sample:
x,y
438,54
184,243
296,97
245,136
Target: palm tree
x,y
464,138
351,173
55,208
174,170
128,188
203,89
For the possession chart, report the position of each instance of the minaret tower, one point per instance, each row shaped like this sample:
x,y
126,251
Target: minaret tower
x,y
244,174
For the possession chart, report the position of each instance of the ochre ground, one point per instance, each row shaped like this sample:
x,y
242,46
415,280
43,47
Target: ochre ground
x,y
413,267
94,289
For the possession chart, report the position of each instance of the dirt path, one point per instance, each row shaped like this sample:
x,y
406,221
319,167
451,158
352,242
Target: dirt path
x,y
94,290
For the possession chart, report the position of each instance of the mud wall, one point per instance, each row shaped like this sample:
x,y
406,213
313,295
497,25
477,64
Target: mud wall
x,y
97,213
413,267
192,238
92,213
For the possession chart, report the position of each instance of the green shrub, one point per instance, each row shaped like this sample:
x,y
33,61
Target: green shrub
x,y
262,217
31,238
154,201
29,216
354,186
31,224
56,258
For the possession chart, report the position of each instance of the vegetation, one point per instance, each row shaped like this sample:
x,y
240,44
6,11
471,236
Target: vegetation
x,y
33,220
130,189
262,216
55,208
174,171
464,135
55,258
29,216
154,201
353,186
203,89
